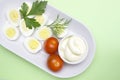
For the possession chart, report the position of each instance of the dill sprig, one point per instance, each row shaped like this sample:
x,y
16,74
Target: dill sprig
x,y
59,25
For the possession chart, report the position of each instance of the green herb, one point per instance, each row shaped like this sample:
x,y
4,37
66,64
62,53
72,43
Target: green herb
x,y
59,25
38,8
31,22
24,10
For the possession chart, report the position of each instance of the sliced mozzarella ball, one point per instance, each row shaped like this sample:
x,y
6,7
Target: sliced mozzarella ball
x,y
25,30
13,16
77,45
11,32
32,45
43,33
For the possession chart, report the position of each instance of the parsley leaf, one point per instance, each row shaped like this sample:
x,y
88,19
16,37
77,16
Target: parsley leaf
x,y
24,10
38,8
31,22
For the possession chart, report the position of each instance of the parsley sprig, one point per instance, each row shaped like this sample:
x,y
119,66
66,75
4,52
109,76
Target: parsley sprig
x,y
38,8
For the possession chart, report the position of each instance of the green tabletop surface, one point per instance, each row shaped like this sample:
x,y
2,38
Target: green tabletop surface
x,y
102,18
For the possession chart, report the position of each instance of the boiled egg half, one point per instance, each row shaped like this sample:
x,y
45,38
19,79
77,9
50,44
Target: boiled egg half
x,y
13,16
11,32
32,44
41,19
43,33
25,30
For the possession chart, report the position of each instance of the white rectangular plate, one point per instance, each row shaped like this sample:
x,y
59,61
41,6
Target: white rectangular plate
x,y
40,59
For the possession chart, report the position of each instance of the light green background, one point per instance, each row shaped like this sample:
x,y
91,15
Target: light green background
x,y
103,19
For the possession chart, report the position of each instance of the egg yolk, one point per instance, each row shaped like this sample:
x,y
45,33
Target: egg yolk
x,y
40,19
33,44
44,33
10,32
14,15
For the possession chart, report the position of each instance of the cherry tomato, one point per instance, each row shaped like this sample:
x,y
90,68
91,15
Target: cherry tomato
x,y
51,45
54,62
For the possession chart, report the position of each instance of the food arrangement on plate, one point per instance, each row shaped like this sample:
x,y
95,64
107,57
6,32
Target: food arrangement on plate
x,y
31,22
46,37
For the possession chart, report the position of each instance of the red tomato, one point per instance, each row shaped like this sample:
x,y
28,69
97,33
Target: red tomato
x,y
51,45
54,62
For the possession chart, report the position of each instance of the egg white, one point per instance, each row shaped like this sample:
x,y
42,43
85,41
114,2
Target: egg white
x,y
26,45
13,12
17,33
25,30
